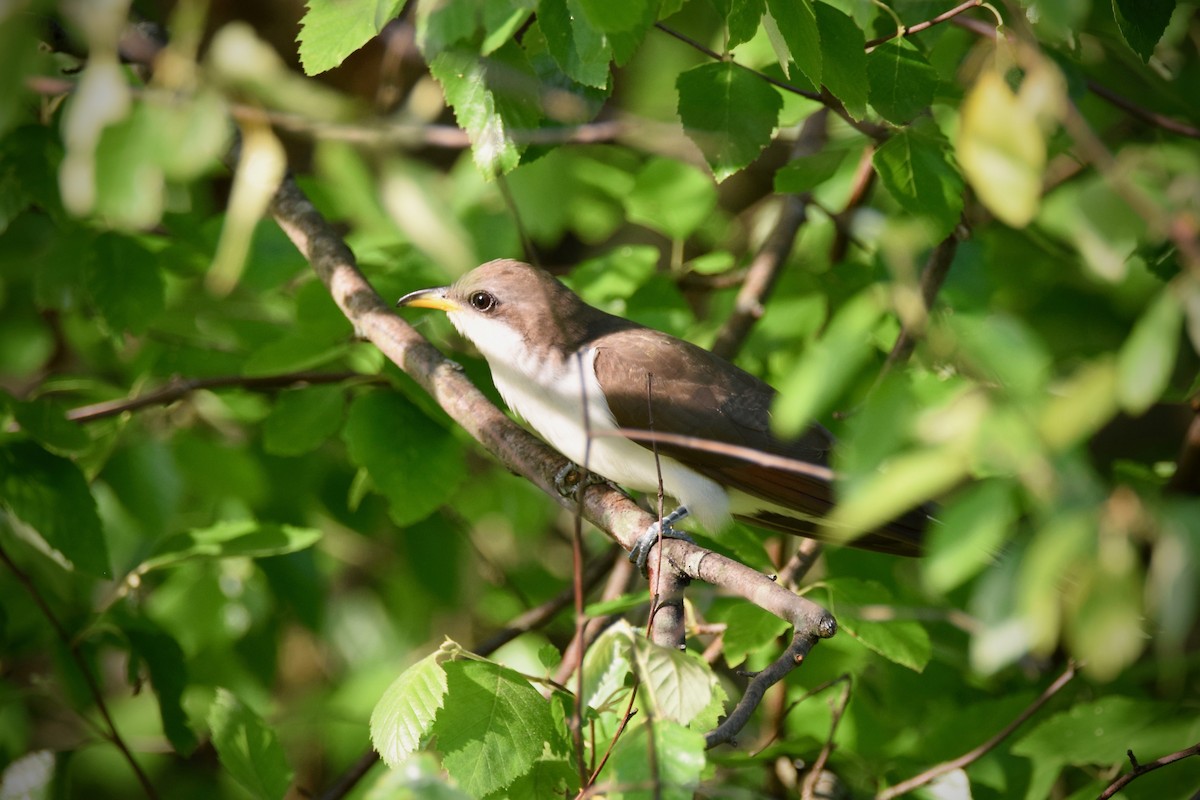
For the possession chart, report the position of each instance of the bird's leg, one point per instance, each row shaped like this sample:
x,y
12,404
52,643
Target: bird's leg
x,y
571,479
665,527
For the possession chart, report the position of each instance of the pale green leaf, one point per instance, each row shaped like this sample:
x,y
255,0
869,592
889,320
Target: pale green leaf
x,y
404,715
676,684
673,773
231,539
333,29
749,628
967,534
1001,150
581,51
1147,358
904,642
494,726
671,197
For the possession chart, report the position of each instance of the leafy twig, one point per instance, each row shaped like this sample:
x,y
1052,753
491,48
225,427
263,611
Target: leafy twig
x,y
93,686
1141,769
969,757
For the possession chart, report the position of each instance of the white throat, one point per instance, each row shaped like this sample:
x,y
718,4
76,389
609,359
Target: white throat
x,y
549,392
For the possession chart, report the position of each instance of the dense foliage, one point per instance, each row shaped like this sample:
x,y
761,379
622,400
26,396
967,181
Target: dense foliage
x,y
241,548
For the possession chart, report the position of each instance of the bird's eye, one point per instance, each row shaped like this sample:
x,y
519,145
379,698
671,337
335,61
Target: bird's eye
x,y
482,301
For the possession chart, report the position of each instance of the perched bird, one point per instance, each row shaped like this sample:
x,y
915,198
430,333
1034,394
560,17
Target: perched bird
x,y
548,350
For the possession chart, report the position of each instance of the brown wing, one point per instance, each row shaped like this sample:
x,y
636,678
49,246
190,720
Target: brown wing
x,y
672,386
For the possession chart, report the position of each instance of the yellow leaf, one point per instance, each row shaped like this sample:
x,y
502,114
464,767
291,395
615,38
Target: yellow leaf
x,y
1001,150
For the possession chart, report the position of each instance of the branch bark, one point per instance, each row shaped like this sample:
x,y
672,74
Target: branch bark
x,y
1141,769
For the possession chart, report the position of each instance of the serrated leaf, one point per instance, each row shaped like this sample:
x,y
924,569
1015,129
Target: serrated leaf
x,y
741,22
330,30
1147,358
902,82
844,68
494,98
494,726
1142,23
50,495
168,676
915,171
675,684
125,284
413,462
581,51
303,419
231,539
1001,150
608,665
404,715
904,642
797,25
671,197
672,773
248,749
729,113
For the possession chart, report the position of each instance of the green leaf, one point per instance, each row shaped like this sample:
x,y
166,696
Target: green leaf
x,y
445,24
828,365
904,642
747,629
1001,150
494,100
124,282
672,773
671,197
51,496
248,749
46,421
844,71
902,81
968,534
1101,732
806,173
1142,23
1147,358
168,676
581,51
303,419
403,717
330,30
231,539
915,170
1079,405
729,113
797,25
413,461
493,728
741,22
610,17
676,684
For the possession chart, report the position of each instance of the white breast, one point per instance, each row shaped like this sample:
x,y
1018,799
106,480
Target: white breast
x,y
549,394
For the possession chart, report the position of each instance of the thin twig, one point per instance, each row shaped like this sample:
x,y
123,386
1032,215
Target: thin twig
x,y
1141,769
93,686
932,278
178,388
808,787
909,30
946,767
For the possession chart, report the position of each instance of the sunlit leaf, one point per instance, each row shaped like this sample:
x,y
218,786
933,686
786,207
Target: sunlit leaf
x,y
1146,359
729,113
403,717
672,197
581,51
239,539
333,29
916,172
674,770
967,534
857,604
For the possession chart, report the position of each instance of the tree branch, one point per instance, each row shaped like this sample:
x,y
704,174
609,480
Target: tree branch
x,y
946,767
909,30
932,278
1141,769
89,679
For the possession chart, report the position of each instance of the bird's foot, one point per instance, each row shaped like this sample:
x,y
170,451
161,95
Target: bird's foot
x,y
664,529
572,478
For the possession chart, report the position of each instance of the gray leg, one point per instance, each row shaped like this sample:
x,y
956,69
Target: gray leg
x,y
641,548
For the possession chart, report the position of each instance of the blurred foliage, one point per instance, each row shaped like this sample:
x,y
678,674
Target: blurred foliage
x,y
232,576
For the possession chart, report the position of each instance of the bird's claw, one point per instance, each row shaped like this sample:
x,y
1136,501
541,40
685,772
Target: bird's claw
x,y
664,528
571,478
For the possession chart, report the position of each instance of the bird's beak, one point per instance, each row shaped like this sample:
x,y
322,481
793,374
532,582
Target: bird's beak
x,y
429,298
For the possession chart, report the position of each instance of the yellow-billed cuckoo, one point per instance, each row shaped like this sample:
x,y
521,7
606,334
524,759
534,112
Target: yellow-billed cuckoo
x,y
547,350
